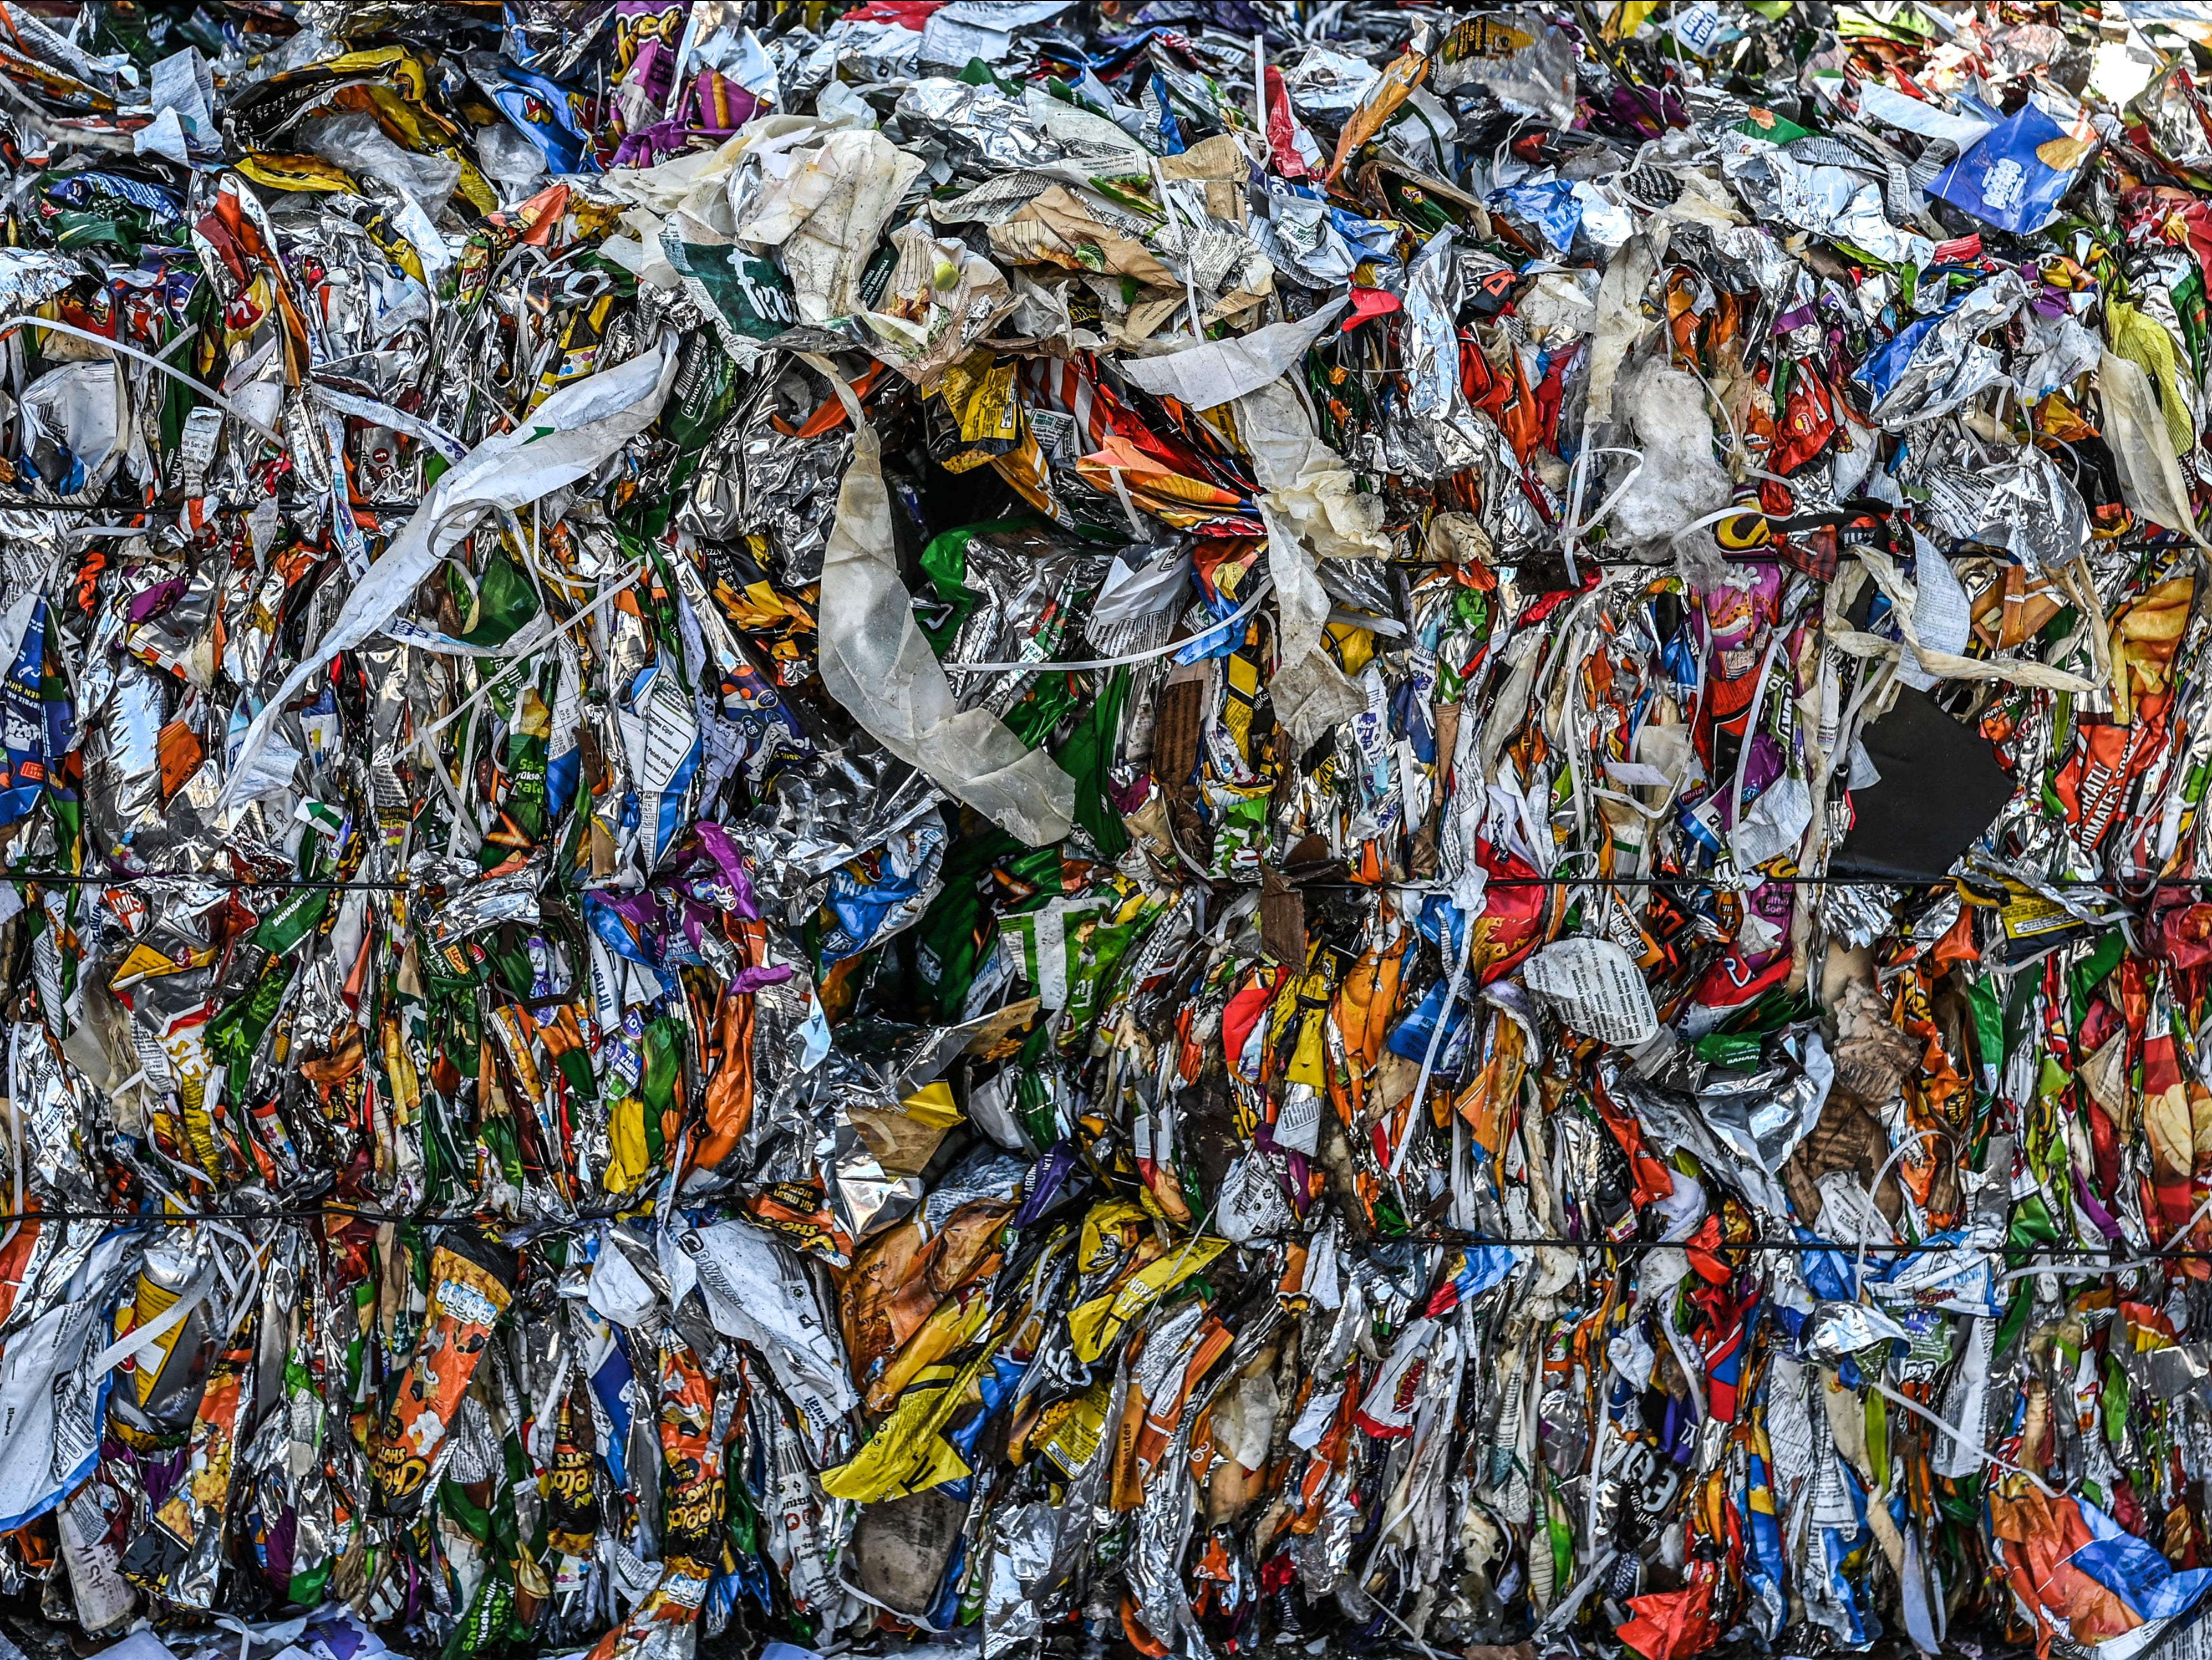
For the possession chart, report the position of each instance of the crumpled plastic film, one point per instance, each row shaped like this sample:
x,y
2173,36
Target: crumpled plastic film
x,y
875,662
1105,827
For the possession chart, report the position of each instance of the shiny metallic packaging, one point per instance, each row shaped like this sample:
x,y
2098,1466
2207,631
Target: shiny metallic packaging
x,y
1105,827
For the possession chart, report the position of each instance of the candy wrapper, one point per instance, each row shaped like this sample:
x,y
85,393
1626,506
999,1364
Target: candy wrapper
x,y
1049,829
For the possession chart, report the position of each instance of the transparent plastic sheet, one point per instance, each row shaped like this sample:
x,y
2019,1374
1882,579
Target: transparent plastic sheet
x,y
876,664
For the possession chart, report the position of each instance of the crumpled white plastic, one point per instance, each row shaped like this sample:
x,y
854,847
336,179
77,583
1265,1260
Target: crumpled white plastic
x,y
1680,483
823,206
942,298
1212,372
572,432
1311,510
1595,988
876,664
2142,453
83,408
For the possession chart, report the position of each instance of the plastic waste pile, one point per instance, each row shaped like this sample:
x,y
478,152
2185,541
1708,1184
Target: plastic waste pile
x,y
1098,828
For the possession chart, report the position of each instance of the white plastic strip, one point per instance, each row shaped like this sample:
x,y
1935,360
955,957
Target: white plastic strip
x,y
606,598
8,325
1049,666
1973,1447
139,1339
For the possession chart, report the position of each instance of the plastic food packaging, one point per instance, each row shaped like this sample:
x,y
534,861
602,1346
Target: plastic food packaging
x,y
1133,828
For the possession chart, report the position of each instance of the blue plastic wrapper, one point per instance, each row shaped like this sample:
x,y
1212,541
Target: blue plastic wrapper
x,y
36,728
552,117
1886,362
1553,207
2015,176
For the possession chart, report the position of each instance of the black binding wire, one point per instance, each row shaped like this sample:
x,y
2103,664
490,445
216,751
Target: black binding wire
x,y
1664,879
2089,1256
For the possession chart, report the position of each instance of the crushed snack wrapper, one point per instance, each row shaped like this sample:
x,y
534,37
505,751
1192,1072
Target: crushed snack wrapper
x,y
1105,827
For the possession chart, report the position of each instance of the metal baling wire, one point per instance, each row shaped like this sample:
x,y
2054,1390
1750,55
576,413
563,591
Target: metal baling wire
x,y
1446,1237
2164,1254
2116,886
400,511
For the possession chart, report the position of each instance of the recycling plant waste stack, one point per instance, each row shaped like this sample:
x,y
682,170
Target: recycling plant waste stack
x,y
1089,828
